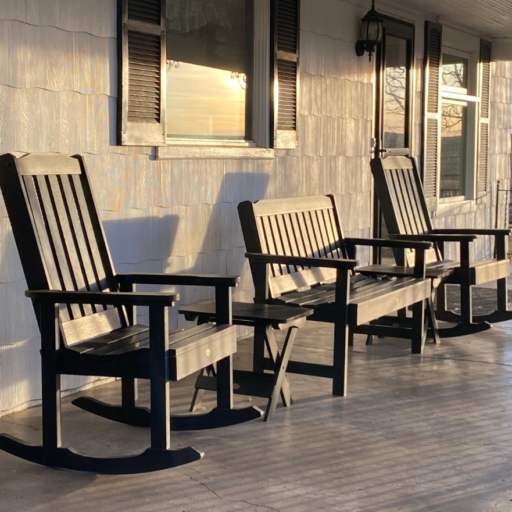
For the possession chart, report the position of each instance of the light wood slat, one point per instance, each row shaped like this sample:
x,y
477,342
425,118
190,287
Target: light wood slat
x,y
72,254
287,221
402,218
485,271
269,242
334,250
80,237
309,236
55,282
301,247
90,239
291,205
34,164
109,338
421,224
285,242
317,234
310,298
338,235
278,242
390,301
404,201
300,279
377,288
417,224
60,257
89,326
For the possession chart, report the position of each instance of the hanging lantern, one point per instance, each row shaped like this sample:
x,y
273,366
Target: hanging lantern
x,y
370,33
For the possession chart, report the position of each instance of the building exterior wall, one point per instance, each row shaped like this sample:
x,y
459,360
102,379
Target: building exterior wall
x,y
58,93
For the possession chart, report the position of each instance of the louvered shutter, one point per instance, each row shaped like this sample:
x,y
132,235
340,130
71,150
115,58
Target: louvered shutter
x,y
483,140
432,113
142,65
286,72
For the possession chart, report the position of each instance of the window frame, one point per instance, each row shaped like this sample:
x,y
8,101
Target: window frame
x,y
468,97
439,39
263,101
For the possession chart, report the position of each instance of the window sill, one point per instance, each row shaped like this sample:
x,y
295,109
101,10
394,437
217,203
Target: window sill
x,y
217,150
451,199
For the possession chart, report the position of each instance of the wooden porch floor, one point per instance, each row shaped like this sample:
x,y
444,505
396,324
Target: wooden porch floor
x,y
416,433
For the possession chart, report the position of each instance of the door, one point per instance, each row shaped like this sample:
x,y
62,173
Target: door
x,y
393,112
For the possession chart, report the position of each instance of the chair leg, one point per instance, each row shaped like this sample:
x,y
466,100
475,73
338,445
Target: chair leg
x,y
341,334
502,295
159,384
418,327
258,361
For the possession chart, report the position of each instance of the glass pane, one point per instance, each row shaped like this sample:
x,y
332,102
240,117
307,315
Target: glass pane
x,y
395,97
455,71
453,149
206,68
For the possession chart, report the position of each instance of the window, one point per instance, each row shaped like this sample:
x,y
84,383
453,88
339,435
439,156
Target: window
x,y
209,45
456,105
458,111
208,72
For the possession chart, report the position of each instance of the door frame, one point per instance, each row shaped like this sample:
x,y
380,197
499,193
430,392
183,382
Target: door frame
x,y
403,30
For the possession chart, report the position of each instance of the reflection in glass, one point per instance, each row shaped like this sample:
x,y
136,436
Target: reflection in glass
x,y
453,148
206,68
454,71
395,84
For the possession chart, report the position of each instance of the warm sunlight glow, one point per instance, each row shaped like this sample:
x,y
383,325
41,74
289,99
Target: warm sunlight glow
x,y
205,102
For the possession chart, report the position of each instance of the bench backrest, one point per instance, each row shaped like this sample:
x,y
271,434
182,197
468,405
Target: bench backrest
x,y
60,238
402,199
302,226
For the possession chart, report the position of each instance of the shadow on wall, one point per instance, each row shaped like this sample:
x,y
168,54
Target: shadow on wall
x,y
205,239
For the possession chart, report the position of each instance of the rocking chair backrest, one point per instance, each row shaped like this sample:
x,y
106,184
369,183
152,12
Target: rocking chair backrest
x,y
60,238
302,226
402,199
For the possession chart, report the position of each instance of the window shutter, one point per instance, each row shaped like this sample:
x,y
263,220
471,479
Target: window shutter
x,y
142,73
483,140
432,113
286,25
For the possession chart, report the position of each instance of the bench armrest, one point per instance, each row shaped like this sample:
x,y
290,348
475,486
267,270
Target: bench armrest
x,y
436,237
395,244
474,231
177,279
302,261
104,298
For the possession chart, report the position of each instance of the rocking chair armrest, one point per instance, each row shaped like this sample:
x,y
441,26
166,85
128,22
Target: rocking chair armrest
x,y
177,279
474,231
104,298
436,237
302,261
394,244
